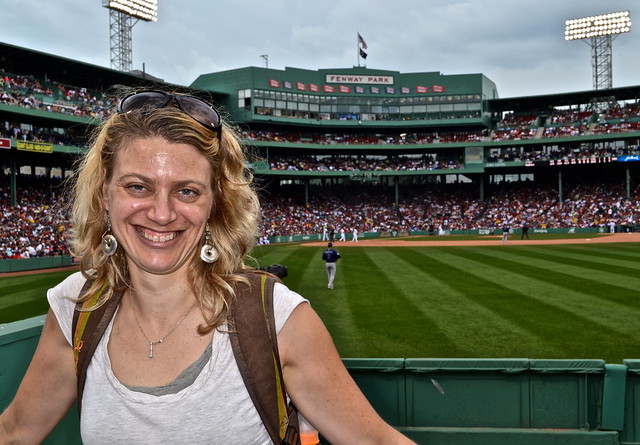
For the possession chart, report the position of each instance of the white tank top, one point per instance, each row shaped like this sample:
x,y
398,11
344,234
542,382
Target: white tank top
x,y
215,409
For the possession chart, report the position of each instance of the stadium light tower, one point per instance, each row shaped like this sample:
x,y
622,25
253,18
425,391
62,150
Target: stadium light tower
x,y
599,31
123,15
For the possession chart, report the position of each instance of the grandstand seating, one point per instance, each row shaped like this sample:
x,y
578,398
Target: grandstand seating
x,y
36,227
411,175
547,130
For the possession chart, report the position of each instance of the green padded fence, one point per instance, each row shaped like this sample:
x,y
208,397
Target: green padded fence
x,y
565,393
467,393
615,381
447,401
508,436
631,432
18,342
383,383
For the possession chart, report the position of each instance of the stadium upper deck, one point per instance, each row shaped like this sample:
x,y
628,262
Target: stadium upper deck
x,y
452,119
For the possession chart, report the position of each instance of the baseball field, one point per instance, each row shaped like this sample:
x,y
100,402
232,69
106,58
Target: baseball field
x,y
547,297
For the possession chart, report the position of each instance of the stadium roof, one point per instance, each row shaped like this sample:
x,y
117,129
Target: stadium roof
x,y
14,59
564,99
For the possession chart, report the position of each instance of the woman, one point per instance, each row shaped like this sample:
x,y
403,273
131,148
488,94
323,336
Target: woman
x,y
164,212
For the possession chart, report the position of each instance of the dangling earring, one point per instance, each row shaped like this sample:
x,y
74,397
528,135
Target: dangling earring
x,y
109,242
208,253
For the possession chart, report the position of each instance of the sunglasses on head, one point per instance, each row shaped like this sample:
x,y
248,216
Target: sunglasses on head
x,y
196,108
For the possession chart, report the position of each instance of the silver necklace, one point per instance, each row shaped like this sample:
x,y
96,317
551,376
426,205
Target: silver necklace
x,y
152,343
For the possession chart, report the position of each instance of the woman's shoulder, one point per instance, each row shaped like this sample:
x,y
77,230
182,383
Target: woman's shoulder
x,y
281,291
70,287
62,300
285,301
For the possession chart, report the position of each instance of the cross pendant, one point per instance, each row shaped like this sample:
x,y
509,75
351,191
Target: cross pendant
x,y
151,343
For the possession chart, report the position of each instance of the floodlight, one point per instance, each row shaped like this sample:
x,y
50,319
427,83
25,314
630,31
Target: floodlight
x,y
123,14
142,9
597,25
599,31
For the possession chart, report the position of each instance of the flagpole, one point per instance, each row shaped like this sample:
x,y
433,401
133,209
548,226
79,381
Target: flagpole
x,y
358,48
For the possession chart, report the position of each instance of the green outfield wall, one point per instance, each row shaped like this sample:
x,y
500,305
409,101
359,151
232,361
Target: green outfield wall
x,y
24,264
394,234
27,264
440,401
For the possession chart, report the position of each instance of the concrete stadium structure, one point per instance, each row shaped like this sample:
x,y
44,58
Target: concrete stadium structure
x,y
457,119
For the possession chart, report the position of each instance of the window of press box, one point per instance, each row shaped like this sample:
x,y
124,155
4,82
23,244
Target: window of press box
x,y
244,99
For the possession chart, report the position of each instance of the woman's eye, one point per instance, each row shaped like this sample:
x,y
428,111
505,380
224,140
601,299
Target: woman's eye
x,y
188,193
136,187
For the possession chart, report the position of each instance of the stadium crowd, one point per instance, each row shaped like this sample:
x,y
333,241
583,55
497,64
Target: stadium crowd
x,y
361,163
440,209
366,139
619,118
323,163
36,225
29,92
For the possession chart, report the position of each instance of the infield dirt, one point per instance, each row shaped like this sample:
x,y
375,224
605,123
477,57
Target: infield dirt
x,y
491,240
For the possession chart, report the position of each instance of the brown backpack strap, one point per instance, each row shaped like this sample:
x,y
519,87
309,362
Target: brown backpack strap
x,y
253,340
252,331
87,328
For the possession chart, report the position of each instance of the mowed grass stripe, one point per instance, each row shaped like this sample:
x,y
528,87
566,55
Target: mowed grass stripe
x,y
331,305
618,317
613,271
423,333
26,296
609,258
24,310
609,326
307,276
488,346
546,323
27,287
383,310
627,254
608,287
463,320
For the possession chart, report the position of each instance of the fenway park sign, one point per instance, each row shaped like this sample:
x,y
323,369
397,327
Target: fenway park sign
x,y
361,79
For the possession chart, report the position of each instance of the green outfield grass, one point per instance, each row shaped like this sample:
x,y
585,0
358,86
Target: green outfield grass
x,y
498,234
26,296
554,301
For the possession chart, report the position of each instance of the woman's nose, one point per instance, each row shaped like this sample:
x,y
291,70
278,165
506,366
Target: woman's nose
x,y
162,210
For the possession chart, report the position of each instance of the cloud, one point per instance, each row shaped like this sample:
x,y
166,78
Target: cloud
x,y
519,45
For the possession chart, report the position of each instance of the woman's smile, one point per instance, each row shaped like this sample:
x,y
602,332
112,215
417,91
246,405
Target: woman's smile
x,y
157,238
159,200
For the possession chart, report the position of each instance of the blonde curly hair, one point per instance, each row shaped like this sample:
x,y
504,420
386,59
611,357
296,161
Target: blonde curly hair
x,y
233,222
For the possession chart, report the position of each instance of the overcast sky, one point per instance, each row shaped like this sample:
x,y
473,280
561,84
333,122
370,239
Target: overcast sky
x,y
516,43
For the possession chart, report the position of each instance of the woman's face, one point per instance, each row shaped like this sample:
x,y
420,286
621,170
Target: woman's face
x,y
159,199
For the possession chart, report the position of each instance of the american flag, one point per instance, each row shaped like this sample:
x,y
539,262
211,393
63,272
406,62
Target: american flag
x,y
362,42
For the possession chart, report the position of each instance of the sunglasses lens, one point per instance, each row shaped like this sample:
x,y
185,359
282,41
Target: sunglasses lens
x,y
200,111
190,105
153,99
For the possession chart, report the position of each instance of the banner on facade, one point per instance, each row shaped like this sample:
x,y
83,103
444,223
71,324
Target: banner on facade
x,y
38,147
